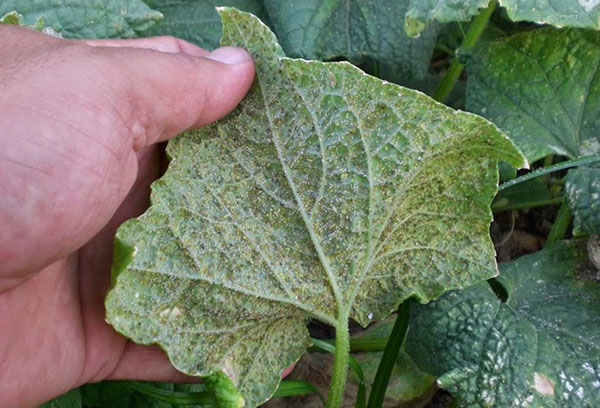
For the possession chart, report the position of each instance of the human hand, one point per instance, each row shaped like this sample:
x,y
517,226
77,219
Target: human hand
x,y
79,127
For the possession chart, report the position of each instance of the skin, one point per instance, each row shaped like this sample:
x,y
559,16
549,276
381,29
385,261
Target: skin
x,y
80,129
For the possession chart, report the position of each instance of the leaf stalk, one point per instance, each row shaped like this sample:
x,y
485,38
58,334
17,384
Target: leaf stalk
x,y
340,363
456,67
390,355
561,224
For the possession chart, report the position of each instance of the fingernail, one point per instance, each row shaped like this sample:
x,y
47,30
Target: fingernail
x,y
229,55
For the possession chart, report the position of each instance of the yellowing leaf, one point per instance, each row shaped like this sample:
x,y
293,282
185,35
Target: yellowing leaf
x,y
327,194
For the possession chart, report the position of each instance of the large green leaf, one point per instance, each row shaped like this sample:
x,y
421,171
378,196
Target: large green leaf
x,y
87,18
327,193
559,13
197,20
583,195
541,348
541,87
365,32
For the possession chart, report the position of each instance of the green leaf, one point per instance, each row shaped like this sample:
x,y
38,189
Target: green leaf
x,y
367,33
583,195
71,399
540,87
291,388
327,193
197,21
540,348
87,18
559,13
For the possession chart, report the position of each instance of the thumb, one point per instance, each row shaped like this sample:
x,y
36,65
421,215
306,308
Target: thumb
x,y
170,92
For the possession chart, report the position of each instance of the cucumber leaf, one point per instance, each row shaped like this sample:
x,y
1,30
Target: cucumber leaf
x,y
364,32
583,195
542,88
559,13
326,194
541,348
197,21
88,18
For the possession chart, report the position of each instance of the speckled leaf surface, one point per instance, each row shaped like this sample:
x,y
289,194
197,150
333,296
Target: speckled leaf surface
x,y
327,193
559,13
539,349
583,195
197,21
542,88
365,32
87,18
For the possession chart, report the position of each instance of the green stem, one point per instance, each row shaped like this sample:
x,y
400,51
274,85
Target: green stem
x,y
366,345
561,224
582,161
340,363
361,345
390,355
456,68
500,207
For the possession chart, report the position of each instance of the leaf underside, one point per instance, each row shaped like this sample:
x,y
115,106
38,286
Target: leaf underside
x,y
542,88
87,18
539,349
326,193
559,13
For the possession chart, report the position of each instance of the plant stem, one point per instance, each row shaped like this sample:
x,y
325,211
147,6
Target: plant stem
x,y
369,344
340,363
581,161
456,68
360,344
498,208
390,355
561,224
